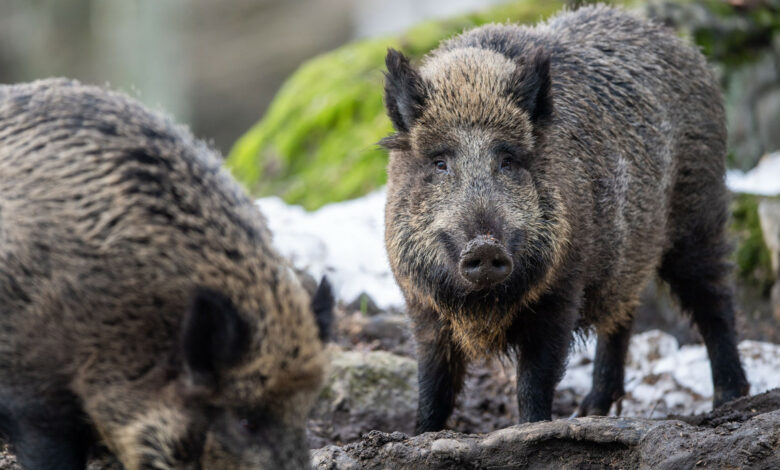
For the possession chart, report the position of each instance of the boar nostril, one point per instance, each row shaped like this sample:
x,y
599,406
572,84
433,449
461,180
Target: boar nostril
x,y
472,263
485,262
500,263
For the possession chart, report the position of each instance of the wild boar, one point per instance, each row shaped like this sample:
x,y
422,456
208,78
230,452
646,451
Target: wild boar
x,y
142,305
538,178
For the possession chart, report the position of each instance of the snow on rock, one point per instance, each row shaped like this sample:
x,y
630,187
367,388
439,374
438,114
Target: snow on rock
x,y
343,240
764,179
663,378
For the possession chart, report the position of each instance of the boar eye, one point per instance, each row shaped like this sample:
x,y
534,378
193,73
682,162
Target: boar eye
x,y
248,425
250,422
506,164
440,165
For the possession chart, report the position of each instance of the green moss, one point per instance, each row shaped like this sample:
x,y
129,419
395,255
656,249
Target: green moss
x,y
752,256
317,141
370,379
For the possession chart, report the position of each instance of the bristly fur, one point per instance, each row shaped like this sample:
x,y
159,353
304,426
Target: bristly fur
x,y
141,301
592,148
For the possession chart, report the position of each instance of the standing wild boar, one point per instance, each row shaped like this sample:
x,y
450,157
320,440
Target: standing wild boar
x,y
142,305
538,178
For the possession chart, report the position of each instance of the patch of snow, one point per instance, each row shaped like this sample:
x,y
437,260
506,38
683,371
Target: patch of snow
x,y
764,179
343,240
662,378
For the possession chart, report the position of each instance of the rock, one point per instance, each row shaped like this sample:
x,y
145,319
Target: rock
x,y
775,299
767,112
385,331
365,391
739,410
390,326
769,217
749,437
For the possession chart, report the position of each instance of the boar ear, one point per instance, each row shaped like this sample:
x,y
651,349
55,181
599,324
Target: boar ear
x,y
404,91
322,306
214,337
530,86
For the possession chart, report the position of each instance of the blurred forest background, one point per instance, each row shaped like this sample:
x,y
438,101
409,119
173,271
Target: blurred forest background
x,y
215,65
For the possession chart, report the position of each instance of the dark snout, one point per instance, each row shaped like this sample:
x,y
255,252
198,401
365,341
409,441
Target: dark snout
x,y
484,262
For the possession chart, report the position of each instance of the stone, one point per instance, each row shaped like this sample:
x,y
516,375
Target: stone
x,y
365,391
769,218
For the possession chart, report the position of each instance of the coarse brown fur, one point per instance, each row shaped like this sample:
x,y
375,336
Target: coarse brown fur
x,y
141,302
591,148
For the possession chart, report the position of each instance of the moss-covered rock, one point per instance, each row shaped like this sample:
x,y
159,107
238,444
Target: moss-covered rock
x,y
317,142
365,391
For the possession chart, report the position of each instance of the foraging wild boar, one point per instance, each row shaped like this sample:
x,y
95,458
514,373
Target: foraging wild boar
x,y
538,178
142,305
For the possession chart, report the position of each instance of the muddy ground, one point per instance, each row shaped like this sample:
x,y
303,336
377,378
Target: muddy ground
x,y
744,434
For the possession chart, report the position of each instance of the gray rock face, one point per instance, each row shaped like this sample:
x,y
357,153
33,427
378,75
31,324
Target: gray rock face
x,y
753,108
742,434
769,217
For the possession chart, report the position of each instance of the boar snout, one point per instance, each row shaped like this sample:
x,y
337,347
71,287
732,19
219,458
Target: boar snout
x,y
484,262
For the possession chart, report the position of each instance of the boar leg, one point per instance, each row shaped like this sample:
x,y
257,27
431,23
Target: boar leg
x,y
698,274
441,371
608,372
47,437
542,344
